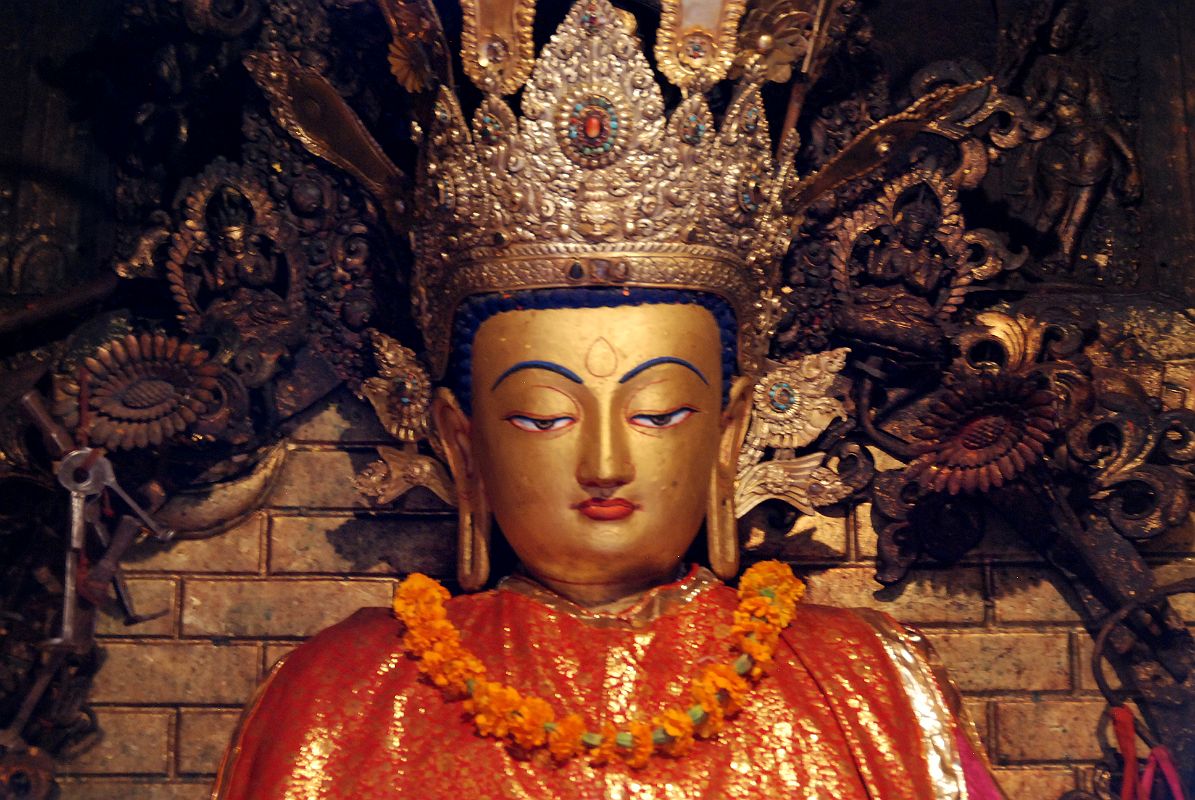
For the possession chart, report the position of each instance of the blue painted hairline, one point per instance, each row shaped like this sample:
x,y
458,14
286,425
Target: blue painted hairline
x,y
477,309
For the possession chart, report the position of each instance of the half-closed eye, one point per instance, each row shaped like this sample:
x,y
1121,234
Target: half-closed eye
x,y
539,424
667,419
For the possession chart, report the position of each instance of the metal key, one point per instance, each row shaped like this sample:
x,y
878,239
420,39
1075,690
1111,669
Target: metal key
x,y
81,481
85,473
107,569
101,473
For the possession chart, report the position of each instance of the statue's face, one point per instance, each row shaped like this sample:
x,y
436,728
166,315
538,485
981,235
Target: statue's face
x,y
1066,27
595,433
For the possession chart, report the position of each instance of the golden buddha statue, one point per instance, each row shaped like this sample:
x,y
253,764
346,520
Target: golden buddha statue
x,y
596,285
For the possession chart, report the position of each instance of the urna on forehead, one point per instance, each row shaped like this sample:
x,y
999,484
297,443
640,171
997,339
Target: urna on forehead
x,y
581,334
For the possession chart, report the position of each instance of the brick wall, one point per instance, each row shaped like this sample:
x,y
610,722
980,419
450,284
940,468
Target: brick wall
x,y
171,688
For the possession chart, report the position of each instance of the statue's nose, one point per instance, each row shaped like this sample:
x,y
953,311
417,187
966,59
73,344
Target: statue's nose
x,y
605,461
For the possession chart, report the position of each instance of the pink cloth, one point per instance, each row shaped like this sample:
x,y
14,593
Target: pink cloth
x,y
980,785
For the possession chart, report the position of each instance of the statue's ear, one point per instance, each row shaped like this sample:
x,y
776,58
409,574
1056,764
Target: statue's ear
x,y
735,417
721,521
453,428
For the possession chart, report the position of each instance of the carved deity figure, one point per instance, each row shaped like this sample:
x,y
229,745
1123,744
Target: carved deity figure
x,y
1076,159
595,387
909,256
242,276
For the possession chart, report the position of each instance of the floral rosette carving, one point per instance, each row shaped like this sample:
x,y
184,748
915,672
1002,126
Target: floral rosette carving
x,y
413,53
138,391
982,433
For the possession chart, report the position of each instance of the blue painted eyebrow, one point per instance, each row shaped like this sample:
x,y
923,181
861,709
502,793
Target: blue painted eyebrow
x,y
655,362
550,366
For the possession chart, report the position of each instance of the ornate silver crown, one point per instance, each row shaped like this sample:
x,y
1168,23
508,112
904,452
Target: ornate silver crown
x,y
594,185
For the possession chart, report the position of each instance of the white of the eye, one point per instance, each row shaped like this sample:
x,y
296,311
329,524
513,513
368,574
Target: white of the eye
x,y
528,424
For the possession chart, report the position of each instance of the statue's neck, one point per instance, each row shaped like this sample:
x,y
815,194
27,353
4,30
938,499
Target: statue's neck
x,y
606,597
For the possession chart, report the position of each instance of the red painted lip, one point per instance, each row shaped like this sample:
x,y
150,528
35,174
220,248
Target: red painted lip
x,y
606,509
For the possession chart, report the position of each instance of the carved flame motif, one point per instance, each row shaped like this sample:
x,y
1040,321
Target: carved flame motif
x,y
140,391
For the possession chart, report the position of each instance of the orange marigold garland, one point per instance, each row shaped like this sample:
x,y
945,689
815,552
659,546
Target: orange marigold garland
x,y
768,598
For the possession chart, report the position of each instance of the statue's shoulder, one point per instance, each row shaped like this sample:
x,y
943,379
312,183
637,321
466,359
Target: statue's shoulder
x,y
850,628
811,617
366,639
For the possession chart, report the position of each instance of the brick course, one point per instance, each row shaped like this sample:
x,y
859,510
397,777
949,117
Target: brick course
x,y
986,661
177,672
274,608
134,742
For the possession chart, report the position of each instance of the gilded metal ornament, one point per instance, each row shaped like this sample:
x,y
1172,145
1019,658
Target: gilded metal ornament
x,y
788,35
792,405
418,55
496,46
607,193
695,44
805,483
308,107
400,393
401,470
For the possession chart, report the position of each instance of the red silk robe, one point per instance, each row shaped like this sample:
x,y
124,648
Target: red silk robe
x,y
852,708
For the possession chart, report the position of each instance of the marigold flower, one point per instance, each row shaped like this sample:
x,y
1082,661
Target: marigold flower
x,y
420,599
760,647
452,671
768,598
432,663
758,608
565,741
705,695
427,634
726,685
605,752
758,630
775,579
527,723
764,575
641,747
493,705
678,725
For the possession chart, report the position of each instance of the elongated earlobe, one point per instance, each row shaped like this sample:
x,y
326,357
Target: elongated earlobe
x,y
473,545
473,511
721,529
721,522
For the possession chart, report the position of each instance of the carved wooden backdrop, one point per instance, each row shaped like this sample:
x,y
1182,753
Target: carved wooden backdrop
x,y
998,319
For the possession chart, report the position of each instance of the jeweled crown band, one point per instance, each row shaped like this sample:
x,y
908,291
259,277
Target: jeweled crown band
x,y
700,269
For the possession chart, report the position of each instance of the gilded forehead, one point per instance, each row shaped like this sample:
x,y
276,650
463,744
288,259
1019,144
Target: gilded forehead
x,y
599,343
